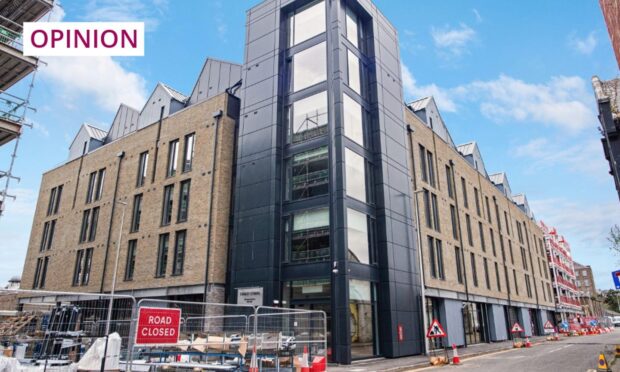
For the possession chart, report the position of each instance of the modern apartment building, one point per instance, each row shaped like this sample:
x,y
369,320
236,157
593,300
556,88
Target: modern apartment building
x,y
161,176
588,295
607,95
482,252
317,188
562,274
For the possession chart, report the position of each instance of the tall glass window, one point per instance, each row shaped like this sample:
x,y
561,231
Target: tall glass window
x,y
309,67
143,165
183,211
353,124
352,28
307,22
309,118
130,264
188,152
310,236
166,213
362,312
309,174
354,72
355,175
173,155
162,256
179,253
357,236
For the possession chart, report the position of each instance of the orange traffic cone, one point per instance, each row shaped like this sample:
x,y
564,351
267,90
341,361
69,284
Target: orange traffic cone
x,y
455,355
304,362
527,342
254,361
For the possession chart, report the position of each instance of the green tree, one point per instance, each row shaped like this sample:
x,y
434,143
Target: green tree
x,y
612,300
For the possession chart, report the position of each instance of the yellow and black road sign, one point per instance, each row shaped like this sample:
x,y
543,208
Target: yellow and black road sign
x,y
602,364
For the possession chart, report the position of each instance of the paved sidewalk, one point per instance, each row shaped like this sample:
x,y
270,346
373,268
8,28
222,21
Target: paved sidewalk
x,y
418,361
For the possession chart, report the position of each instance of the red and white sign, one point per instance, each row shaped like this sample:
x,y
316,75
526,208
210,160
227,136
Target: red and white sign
x,y
516,328
548,325
401,333
435,330
158,326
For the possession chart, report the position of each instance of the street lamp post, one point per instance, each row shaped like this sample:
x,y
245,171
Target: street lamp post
x,y
419,238
111,301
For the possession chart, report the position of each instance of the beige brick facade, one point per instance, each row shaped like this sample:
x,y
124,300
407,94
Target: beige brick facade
x,y
74,176
531,241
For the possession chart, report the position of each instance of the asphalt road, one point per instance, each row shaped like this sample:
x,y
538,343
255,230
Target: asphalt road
x,y
577,354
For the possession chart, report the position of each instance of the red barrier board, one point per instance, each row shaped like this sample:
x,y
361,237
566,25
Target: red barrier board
x,y
158,326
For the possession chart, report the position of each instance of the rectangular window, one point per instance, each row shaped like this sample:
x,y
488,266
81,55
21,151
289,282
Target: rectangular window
x,y
435,213
162,256
474,271
507,224
309,67
528,286
52,200
357,237
173,156
439,254
431,257
499,284
48,235
91,187
449,182
499,222
309,240
514,274
431,168
137,213
464,188
486,201
427,209
143,165
477,200
188,152
354,72
423,166
507,279
307,22
352,28
492,242
88,260
46,261
183,212
455,229
470,238
308,118
77,269
85,226
37,274
130,264
459,267
353,125
94,218
524,259
482,242
512,257
99,185
179,253
486,272
309,174
166,213
355,175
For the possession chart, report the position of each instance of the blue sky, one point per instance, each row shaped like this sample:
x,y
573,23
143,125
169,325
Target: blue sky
x,y
514,76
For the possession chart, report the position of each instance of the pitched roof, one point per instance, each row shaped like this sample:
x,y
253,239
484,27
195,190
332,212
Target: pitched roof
x,y
94,132
420,103
174,93
466,148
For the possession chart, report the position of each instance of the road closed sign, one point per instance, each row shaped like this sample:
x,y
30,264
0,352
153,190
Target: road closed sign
x,y
158,326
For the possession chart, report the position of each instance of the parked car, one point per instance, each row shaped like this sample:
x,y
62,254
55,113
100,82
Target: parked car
x,y
617,321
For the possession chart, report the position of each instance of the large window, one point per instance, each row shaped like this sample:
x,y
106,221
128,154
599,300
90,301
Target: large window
x,y
88,261
499,284
309,118
459,266
353,119
357,236
309,174
449,182
477,199
307,22
94,218
143,164
166,213
85,224
173,155
162,256
179,252
309,67
354,72
130,264
183,211
188,152
355,175
309,239
99,185
77,269
81,269
470,238
352,27
48,235
455,228
54,201
474,271
464,188
137,213
481,232
363,318
485,265
435,250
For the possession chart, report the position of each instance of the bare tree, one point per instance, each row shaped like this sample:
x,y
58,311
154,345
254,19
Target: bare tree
x,y
614,239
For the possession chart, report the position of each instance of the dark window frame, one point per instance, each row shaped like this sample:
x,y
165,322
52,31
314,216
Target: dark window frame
x,y
178,261
188,161
184,199
130,262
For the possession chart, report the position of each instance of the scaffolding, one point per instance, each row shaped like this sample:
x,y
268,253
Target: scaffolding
x,y
14,67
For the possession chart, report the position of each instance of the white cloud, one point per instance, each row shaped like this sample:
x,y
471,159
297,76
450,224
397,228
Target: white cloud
x,y
414,91
101,78
584,45
453,40
585,225
147,11
57,14
42,129
583,157
477,15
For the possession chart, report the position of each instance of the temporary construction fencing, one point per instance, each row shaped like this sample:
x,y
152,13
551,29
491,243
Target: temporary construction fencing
x,y
58,329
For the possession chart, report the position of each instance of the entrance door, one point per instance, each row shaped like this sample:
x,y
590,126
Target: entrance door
x,y
322,305
474,323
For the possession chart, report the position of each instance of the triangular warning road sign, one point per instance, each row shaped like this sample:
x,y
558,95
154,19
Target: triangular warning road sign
x,y
435,330
548,325
516,328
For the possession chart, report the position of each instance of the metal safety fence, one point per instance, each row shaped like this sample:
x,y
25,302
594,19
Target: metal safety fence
x,y
64,330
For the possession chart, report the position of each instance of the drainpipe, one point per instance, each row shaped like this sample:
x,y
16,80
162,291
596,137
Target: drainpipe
x,y
419,238
217,116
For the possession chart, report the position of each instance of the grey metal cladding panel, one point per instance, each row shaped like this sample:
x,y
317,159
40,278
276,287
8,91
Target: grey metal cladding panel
x,y
75,150
260,259
260,47
406,298
258,141
397,152
257,195
255,171
453,321
151,111
260,91
259,27
401,235
257,119
261,9
260,70
254,228
225,75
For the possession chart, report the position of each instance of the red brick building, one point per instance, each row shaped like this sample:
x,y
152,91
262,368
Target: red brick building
x,y
611,12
